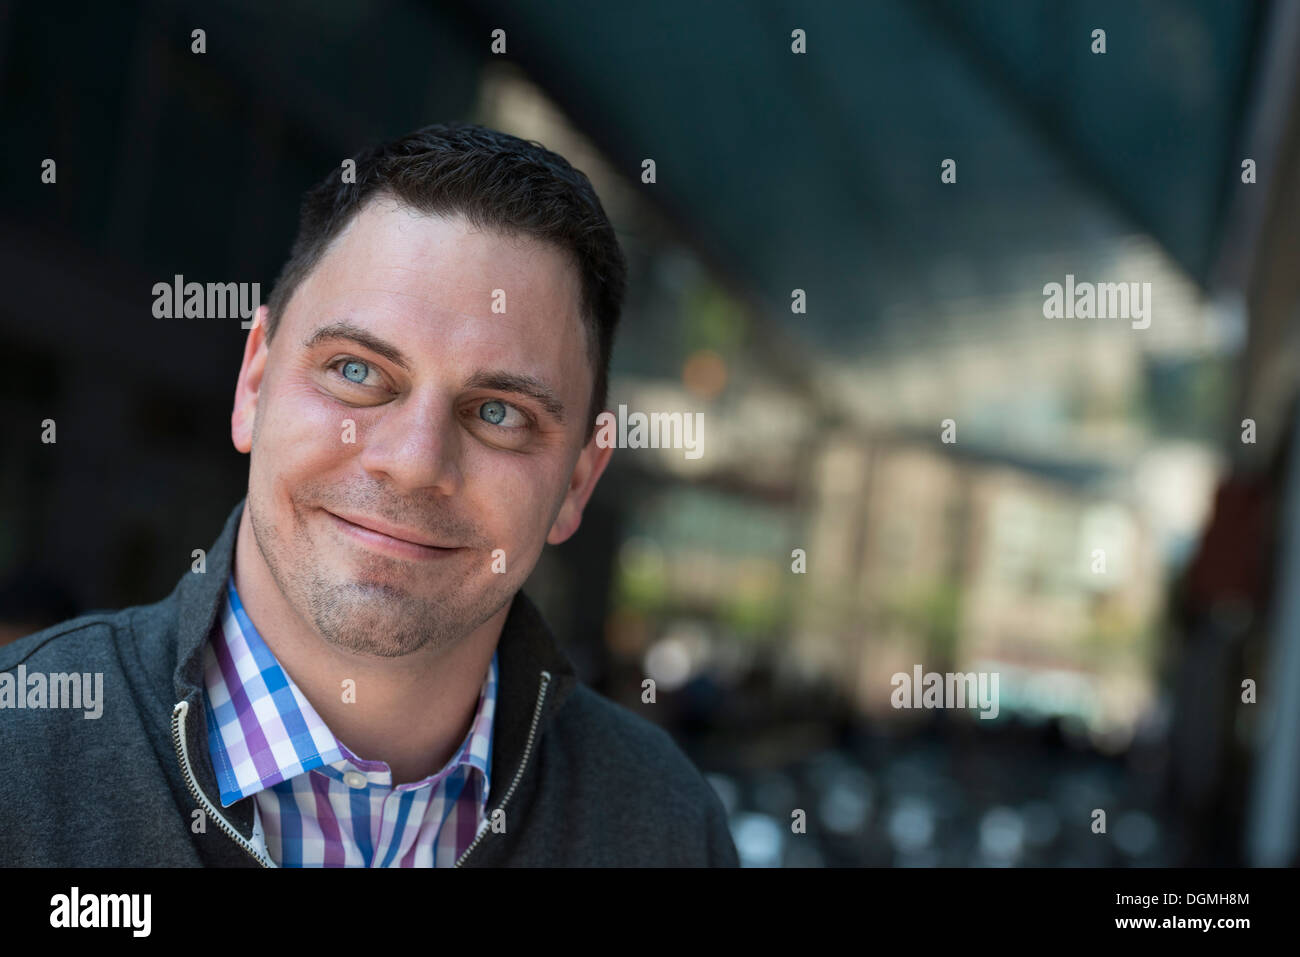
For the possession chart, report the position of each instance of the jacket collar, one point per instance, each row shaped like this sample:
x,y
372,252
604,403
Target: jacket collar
x,y
525,649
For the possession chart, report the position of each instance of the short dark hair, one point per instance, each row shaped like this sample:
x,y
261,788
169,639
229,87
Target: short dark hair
x,y
494,180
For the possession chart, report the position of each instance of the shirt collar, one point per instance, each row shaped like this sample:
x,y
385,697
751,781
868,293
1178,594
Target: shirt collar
x,y
527,650
262,730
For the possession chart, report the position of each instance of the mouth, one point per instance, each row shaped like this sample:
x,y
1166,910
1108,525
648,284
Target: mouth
x,y
386,543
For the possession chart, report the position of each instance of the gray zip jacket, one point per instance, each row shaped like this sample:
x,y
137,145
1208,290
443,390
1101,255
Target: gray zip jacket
x,y
583,781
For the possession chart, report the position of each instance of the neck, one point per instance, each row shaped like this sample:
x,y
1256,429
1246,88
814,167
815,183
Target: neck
x,y
411,712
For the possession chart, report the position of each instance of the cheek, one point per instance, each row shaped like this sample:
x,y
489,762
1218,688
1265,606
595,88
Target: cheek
x,y
511,496
303,431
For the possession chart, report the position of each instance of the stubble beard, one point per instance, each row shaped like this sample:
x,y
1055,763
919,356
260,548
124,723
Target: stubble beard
x,y
366,615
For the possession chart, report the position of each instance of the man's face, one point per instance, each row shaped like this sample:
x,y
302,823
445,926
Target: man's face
x,y
448,423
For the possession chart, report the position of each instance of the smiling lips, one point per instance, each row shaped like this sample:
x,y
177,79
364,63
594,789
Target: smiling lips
x,y
380,536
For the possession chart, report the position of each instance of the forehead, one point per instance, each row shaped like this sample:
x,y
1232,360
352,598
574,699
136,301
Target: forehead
x,y
446,288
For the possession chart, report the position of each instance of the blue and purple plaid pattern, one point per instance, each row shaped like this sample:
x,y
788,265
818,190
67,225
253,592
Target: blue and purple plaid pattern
x,y
316,803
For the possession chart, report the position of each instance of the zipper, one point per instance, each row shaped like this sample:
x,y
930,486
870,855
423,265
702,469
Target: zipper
x,y
183,756
528,749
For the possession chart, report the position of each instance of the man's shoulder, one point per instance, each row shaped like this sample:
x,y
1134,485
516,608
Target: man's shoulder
x,y
619,743
124,652
80,642
72,642
85,734
642,800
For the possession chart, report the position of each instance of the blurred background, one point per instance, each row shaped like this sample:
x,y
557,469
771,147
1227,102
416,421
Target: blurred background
x,y
1121,682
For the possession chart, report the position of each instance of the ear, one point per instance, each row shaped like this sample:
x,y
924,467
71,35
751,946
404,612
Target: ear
x,y
250,382
586,473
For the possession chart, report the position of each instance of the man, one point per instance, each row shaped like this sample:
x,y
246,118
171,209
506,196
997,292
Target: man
x,y
351,676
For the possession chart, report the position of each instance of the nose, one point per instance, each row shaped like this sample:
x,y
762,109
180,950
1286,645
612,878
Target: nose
x,y
416,445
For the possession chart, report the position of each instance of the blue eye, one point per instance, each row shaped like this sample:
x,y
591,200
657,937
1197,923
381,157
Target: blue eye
x,y
355,371
493,411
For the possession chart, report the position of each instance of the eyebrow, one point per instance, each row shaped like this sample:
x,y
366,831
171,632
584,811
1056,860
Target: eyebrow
x,y
520,384
354,333
497,380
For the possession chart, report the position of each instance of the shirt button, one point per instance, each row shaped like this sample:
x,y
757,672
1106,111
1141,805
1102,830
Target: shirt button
x,y
354,779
